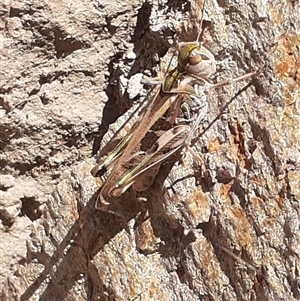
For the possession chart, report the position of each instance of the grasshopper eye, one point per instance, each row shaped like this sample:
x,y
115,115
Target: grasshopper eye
x,y
195,56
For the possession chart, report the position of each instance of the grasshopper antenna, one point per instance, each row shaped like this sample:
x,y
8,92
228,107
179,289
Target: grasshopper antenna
x,y
201,22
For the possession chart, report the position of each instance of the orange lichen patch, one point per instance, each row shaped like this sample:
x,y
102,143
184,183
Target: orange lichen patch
x,y
213,271
236,132
268,223
279,200
207,260
206,254
246,163
154,289
239,154
258,181
289,121
213,145
144,237
237,144
276,208
197,203
133,285
290,93
242,226
74,211
287,65
256,203
224,190
288,53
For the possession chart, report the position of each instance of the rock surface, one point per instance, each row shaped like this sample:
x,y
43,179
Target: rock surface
x,y
229,230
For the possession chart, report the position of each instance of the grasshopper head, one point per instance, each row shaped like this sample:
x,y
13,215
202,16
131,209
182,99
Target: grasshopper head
x,y
196,60
189,54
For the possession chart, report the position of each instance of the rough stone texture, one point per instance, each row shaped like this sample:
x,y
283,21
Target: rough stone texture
x,y
229,230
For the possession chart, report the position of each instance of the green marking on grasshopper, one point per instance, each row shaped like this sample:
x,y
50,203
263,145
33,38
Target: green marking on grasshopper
x,y
170,80
166,145
100,169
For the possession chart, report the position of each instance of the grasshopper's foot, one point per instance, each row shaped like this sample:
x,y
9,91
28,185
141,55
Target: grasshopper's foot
x,y
101,203
151,81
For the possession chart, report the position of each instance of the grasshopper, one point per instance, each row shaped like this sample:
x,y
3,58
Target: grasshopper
x,y
129,158
134,160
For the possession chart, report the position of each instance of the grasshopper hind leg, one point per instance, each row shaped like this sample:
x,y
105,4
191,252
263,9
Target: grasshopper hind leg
x,y
146,179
